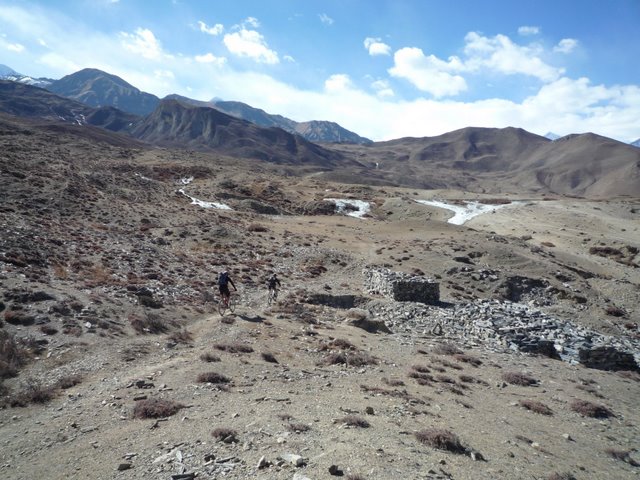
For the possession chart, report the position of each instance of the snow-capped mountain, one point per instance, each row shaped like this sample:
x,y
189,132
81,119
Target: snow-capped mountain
x,y
7,73
552,136
636,143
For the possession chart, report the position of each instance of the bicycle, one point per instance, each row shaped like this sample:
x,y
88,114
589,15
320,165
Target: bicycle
x,y
226,303
272,296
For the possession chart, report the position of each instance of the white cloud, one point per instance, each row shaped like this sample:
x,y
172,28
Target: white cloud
x,y
14,47
251,22
566,45
42,43
383,89
429,73
325,19
502,55
251,44
528,30
142,42
210,58
337,83
375,46
289,58
214,30
563,105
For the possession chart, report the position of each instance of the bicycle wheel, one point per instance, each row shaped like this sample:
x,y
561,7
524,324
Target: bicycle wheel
x,y
232,303
222,306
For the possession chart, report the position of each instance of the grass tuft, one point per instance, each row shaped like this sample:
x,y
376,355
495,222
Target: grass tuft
x,y
213,377
536,407
354,421
156,408
589,409
516,378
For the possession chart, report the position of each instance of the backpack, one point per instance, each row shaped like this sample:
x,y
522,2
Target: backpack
x,y
223,279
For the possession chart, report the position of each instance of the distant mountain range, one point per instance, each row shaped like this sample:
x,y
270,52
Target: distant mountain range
x,y
7,73
488,160
636,143
552,136
96,88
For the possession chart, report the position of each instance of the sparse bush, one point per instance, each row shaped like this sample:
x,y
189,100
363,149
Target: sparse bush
x,y
213,377
516,378
589,409
226,435
269,357
471,360
350,359
209,357
32,392
447,349
235,347
354,421
339,343
69,381
150,323
156,408
615,311
440,439
536,407
48,330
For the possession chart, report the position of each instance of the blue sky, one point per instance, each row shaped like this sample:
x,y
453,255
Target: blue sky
x,y
382,68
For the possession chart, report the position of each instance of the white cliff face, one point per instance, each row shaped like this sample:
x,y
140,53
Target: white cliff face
x,y
360,207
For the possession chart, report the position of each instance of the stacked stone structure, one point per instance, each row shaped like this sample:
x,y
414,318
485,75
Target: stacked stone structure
x,y
401,287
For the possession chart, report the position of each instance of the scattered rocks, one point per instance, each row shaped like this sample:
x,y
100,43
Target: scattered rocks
x,y
400,286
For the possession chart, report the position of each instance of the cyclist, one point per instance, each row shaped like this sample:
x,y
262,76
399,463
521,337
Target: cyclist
x,y
273,284
223,285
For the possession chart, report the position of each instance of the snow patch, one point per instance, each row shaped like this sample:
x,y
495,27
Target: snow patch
x,y
185,180
203,204
362,207
464,213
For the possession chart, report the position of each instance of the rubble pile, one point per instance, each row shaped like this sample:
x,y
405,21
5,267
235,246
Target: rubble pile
x,y
507,326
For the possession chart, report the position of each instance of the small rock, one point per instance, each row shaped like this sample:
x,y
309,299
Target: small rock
x,y
335,471
263,463
567,437
369,410
124,466
293,459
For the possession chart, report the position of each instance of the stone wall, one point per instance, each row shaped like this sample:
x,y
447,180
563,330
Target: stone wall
x,y
400,287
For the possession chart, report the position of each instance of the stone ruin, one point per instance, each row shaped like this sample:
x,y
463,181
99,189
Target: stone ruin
x,y
401,287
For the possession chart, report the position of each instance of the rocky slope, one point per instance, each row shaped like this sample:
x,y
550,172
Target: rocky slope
x,y
115,364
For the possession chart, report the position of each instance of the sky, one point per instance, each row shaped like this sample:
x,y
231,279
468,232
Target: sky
x,y
384,69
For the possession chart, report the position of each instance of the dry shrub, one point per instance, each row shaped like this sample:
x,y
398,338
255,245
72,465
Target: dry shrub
x,y
471,379
420,368
235,347
213,377
445,379
256,227
589,409
69,381
615,311
629,374
48,330
156,408
150,323
421,378
447,363
622,455
516,378
536,407
209,357
32,392
561,476
269,357
447,349
441,439
354,421
182,336
471,360
393,382
298,427
339,343
13,355
350,359
225,434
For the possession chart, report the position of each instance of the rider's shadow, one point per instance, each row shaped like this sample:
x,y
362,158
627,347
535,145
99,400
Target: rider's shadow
x,y
254,319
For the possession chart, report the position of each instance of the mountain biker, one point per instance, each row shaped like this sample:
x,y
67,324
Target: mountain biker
x,y
271,284
223,285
